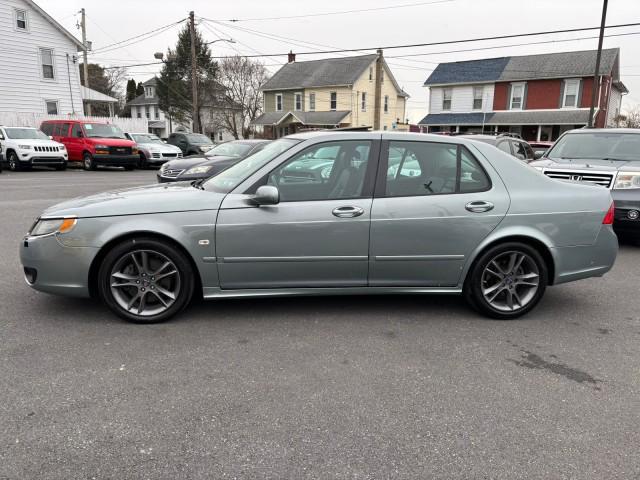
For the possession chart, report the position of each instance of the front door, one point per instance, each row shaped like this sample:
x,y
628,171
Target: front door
x,y
75,143
434,203
317,236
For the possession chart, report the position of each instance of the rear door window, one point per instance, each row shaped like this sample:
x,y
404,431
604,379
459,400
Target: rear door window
x,y
76,132
504,146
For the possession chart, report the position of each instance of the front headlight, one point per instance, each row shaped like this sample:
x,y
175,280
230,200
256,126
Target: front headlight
x,y
627,180
24,147
62,148
102,147
196,170
52,225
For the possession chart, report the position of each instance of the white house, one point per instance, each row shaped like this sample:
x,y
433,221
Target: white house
x,y
38,62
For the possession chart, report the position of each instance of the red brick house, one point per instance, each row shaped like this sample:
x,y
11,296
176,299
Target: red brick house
x,y
536,96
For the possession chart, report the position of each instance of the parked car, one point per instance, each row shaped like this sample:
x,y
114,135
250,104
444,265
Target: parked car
x,y
191,143
508,143
94,144
25,147
540,147
153,151
213,162
607,157
456,227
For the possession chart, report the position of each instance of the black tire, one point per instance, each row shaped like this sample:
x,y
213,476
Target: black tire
x,y
143,162
88,162
185,278
474,282
14,163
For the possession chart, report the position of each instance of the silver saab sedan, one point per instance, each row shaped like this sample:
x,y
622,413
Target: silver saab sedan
x,y
330,213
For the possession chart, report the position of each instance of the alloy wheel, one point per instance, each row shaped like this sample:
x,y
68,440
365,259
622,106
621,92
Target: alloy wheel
x,y
145,282
510,281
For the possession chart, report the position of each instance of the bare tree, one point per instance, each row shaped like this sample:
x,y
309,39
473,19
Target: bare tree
x,y
631,119
242,78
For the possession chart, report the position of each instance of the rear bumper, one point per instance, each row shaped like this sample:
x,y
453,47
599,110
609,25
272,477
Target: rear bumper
x,y
585,261
116,160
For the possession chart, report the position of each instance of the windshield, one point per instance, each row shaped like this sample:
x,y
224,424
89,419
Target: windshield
x,y
198,138
145,138
234,176
101,130
597,146
230,149
26,134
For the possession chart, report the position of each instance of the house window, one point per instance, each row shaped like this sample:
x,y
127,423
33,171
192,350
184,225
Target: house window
x,y
571,88
139,112
148,92
147,111
312,102
386,104
21,19
157,116
517,96
363,102
46,58
298,101
370,74
333,104
477,97
278,102
52,107
446,99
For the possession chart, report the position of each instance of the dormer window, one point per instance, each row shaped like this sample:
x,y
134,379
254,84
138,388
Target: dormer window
x,y
148,92
21,19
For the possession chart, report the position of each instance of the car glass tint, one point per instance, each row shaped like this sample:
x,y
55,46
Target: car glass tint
x,y
101,130
76,132
472,177
230,149
504,146
198,138
324,172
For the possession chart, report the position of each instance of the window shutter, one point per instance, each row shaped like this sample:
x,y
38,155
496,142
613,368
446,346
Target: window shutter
x,y
524,97
579,100
508,98
561,94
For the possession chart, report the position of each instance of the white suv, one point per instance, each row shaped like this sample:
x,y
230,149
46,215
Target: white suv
x,y
24,147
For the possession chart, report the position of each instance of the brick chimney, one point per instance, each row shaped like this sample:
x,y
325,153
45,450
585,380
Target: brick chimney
x,y
291,57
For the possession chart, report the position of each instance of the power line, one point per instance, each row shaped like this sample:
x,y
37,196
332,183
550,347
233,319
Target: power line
x,y
102,49
342,12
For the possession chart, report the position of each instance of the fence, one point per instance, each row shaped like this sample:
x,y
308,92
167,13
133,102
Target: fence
x,y
27,119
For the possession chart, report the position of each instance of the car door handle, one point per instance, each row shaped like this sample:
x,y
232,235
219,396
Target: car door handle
x,y
348,212
479,206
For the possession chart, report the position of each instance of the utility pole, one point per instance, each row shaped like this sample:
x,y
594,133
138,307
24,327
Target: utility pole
x,y
194,73
378,91
83,25
596,74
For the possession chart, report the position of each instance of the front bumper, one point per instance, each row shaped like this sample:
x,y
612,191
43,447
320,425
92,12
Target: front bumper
x,y
107,160
627,214
55,268
32,158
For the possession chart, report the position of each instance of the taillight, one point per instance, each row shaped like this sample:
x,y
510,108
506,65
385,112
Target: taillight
x,y
608,218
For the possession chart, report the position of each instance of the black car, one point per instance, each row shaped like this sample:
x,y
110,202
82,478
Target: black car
x,y
191,143
609,157
508,143
217,159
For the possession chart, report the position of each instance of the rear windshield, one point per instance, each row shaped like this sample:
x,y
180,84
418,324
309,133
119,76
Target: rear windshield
x,y
101,130
230,149
597,146
25,134
198,138
145,138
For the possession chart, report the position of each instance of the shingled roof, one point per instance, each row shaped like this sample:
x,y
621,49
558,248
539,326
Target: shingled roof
x,y
526,67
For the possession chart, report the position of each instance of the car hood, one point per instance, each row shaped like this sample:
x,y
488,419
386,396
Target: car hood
x,y
587,164
162,198
159,147
112,142
184,163
37,142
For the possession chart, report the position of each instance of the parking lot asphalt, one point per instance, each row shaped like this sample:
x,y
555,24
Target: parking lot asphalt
x,y
338,387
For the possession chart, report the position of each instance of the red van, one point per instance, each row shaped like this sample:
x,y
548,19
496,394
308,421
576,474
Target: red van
x,y
93,143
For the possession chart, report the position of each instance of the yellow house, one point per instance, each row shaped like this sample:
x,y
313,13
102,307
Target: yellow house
x,y
332,93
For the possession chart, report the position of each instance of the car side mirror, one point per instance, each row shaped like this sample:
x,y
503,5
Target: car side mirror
x,y
538,154
266,195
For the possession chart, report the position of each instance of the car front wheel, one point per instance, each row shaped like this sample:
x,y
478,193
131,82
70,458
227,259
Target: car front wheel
x,y
507,281
88,161
145,280
14,163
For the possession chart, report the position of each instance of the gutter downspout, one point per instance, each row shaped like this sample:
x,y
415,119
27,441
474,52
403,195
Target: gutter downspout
x,y
73,107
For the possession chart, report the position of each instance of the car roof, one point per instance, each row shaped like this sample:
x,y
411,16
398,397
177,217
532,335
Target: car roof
x,y
75,120
635,131
17,126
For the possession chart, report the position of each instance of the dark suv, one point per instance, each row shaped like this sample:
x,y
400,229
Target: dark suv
x,y
609,157
191,143
514,146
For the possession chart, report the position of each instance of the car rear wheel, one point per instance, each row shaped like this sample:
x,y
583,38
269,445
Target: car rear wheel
x,y
88,162
145,280
14,163
507,281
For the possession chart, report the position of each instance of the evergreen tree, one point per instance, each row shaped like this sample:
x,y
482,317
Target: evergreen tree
x,y
174,84
131,89
139,89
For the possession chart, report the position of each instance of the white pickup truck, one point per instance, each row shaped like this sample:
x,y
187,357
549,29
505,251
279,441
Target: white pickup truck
x,y
24,147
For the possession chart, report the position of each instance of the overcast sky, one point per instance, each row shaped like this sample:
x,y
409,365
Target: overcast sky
x,y
116,20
